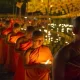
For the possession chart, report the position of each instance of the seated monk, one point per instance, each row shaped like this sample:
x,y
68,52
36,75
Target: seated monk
x,y
23,44
67,60
37,59
12,39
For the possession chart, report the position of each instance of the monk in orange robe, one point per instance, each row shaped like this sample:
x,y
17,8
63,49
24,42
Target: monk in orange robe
x,y
37,59
12,39
66,64
7,29
23,44
1,45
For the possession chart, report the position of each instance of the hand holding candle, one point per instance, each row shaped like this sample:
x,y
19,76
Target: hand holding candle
x,y
47,62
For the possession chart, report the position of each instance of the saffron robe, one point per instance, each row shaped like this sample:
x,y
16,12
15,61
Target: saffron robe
x,y
39,55
13,55
20,71
5,46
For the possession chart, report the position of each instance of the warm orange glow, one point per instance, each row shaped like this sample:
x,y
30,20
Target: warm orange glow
x,y
47,61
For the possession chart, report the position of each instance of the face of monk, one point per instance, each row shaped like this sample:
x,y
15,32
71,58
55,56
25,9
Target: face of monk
x,y
16,30
28,35
37,42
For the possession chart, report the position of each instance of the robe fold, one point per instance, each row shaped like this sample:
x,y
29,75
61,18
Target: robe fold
x,y
13,55
39,55
20,71
1,51
5,46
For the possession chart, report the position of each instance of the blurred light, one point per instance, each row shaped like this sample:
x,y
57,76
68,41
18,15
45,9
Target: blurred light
x,y
57,29
51,6
57,39
25,17
46,36
62,30
22,28
49,18
43,27
66,42
57,34
51,38
73,34
45,30
25,29
39,29
49,33
59,24
70,25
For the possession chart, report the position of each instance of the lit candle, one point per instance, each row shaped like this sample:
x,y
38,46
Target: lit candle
x,y
47,61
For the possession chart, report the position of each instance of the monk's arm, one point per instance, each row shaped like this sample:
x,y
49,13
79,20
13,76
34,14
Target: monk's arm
x,y
40,66
59,64
17,46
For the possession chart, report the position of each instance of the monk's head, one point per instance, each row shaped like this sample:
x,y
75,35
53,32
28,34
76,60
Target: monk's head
x,y
7,23
76,25
38,38
16,28
29,32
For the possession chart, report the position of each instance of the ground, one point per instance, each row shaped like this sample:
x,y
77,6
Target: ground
x,y
5,75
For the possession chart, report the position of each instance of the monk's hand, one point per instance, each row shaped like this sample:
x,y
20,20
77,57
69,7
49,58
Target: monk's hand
x,y
48,66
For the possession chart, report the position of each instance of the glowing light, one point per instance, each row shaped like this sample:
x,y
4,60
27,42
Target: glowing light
x,y
46,36
59,24
66,42
49,33
51,37
39,29
43,27
22,28
47,61
45,30
70,25
57,39
25,17
51,5
57,29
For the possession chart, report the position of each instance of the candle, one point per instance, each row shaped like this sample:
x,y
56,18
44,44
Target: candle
x,y
47,61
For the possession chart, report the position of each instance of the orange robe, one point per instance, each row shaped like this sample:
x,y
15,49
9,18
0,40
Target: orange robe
x,y
39,55
1,51
5,45
6,31
20,72
12,53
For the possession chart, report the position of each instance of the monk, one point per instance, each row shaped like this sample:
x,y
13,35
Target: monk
x,y
12,39
3,45
67,60
22,45
35,59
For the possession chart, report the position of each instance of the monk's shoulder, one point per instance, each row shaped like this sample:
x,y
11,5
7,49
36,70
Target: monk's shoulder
x,y
21,39
28,51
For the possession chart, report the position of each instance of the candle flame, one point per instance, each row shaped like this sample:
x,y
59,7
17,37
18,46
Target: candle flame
x,y
47,61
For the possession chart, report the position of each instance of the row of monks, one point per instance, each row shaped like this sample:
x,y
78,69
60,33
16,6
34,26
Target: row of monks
x,y
23,53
